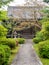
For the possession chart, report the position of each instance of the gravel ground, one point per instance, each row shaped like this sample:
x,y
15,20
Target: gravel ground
x,y
26,55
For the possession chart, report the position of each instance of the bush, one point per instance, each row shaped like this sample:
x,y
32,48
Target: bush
x,y
4,54
45,34
10,42
44,49
41,36
21,40
36,40
44,19
45,26
3,31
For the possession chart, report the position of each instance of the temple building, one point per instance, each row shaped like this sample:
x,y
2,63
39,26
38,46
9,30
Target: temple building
x,y
26,11
26,14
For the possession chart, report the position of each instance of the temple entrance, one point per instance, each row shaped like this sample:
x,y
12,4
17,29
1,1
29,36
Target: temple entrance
x,y
24,29
27,33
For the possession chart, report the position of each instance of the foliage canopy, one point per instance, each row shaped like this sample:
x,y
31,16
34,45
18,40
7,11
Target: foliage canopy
x,y
46,1
3,15
4,2
3,31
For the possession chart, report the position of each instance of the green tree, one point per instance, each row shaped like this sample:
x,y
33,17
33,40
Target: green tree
x,y
4,2
3,15
46,1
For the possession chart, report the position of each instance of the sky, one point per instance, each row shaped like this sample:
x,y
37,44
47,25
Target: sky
x,y
17,2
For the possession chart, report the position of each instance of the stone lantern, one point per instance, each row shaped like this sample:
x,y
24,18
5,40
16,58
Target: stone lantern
x,y
15,34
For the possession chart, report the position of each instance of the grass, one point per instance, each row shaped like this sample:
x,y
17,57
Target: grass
x,y
43,60
13,54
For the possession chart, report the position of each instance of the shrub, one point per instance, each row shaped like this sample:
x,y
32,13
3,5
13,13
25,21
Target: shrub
x,y
45,26
36,40
21,40
4,54
10,42
44,19
45,34
44,49
41,36
3,31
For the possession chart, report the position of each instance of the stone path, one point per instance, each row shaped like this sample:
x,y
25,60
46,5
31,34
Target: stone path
x,y
26,55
